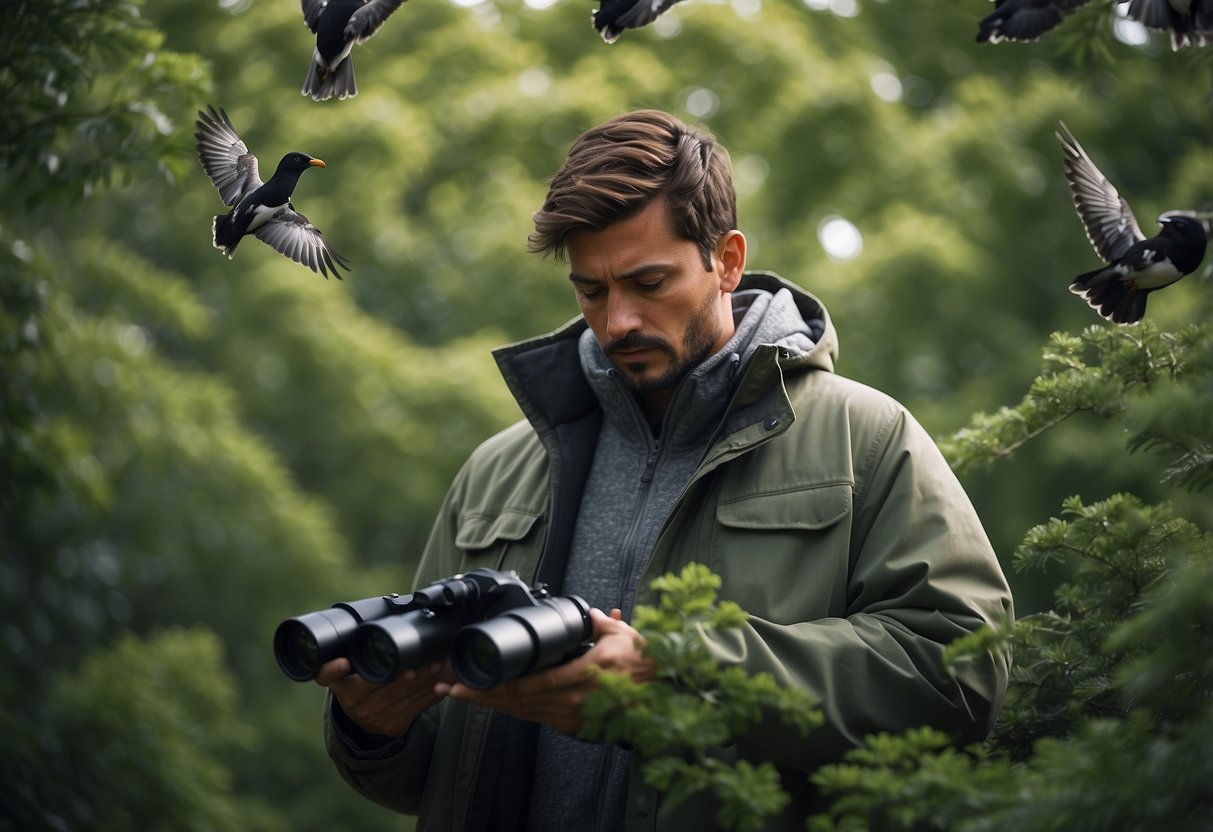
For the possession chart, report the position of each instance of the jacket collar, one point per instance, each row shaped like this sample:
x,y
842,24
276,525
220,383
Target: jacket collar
x,y
544,373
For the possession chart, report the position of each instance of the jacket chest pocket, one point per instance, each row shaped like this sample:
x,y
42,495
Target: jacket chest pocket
x,y
508,540
784,555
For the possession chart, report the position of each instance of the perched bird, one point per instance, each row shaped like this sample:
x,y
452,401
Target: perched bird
x,y
1136,266
338,25
1189,22
613,16
262,209
1022,21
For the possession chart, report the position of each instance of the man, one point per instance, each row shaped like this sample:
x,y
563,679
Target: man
x,y
690,413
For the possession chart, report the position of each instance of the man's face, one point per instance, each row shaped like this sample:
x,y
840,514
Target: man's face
x,y
655,309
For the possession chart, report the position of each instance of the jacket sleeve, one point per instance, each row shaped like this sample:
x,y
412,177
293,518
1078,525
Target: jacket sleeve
x,y
920,573
394,773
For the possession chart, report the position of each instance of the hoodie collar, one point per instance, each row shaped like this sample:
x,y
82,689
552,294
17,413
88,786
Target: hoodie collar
x,y
548,374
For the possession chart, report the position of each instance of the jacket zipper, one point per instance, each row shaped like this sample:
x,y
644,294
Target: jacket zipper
x,y
629,570
710,457
600,784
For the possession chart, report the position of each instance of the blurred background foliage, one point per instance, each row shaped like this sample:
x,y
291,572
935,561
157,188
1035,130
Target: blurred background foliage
x,y
192,449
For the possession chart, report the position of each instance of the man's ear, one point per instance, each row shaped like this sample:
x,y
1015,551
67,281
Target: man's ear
x,y
730,253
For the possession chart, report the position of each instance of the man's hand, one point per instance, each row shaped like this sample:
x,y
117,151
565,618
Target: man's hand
x,y
554,696
388,709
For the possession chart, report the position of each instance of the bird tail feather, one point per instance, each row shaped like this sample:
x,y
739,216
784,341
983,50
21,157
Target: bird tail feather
x,y
342,80
311,84
322,83
220,235
1107,293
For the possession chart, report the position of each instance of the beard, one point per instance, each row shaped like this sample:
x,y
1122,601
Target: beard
x,y
698,342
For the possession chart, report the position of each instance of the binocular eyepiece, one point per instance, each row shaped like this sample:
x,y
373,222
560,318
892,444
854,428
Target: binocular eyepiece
x,y
492,625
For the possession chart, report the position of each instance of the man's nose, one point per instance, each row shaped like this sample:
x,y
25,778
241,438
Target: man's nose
x,y
622,315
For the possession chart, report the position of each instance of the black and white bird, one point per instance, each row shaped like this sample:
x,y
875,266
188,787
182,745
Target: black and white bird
x,y
1189,22
613,16
338,26
1136,265
1023,21
262,209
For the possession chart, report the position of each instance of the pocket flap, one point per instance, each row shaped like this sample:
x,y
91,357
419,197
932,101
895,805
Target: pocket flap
x,y
812,507
480,532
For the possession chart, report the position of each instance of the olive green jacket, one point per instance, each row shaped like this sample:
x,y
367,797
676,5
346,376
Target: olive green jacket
x,y
829,514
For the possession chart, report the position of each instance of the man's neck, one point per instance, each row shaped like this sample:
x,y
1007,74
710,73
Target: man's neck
x,y
655,404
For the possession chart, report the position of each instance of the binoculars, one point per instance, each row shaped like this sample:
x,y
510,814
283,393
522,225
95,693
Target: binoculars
x,y
492,625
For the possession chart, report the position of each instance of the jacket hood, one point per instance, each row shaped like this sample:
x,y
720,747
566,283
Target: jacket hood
x,y
822,350
545,375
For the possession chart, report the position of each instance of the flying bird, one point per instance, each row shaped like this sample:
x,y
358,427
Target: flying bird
x,y
338,25
1023,21
262,209
613,16
1136,265
1189,22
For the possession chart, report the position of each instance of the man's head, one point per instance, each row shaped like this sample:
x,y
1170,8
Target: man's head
x,y
616,169
643,210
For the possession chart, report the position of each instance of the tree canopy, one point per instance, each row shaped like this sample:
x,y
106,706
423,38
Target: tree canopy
x,y
194,448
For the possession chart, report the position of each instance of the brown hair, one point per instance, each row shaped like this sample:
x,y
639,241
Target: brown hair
x,y
616,169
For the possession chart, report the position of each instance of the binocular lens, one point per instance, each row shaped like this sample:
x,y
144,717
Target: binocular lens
x,y
519,641
375,658
479,660
297,650
302,644
381,649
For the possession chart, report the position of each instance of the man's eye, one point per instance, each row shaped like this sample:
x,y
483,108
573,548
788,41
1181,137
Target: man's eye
x,y
588,294
651,286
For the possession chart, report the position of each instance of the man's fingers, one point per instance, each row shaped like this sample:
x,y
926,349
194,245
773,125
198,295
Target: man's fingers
x,y
333,671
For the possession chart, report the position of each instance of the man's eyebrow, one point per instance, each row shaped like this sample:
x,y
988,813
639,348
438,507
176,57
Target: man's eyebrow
x,y
638,272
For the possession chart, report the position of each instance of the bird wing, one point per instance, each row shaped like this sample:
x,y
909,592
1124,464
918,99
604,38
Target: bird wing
x,y
644,13
367,20
290,233
1024,21
1153,14
224,156
311,12
613,16
1106,216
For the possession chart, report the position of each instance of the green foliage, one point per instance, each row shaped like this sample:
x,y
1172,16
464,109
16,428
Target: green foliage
x,y
90,95
1099,373
916,781
1107,718
142,727
1087,34
697,706
1065,669
191,441
1176,419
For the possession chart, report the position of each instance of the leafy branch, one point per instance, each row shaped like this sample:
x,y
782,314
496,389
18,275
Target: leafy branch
x,y
677,725
1103,372
1116,675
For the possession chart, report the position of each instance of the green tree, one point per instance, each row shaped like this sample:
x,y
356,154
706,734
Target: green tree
x,y
142,727
1107,720
1107,717
87,87
188,440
